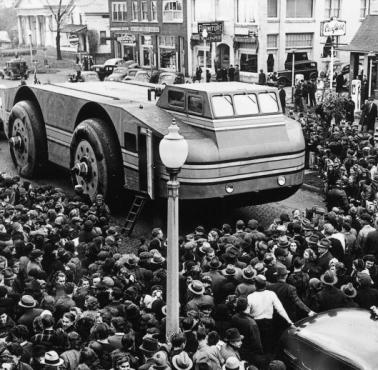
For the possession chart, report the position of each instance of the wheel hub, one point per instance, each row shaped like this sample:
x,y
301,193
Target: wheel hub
x,y
85,170
19,141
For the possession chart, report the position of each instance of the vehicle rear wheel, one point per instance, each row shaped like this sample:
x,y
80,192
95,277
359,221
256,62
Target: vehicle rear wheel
x,y
27,139
96,162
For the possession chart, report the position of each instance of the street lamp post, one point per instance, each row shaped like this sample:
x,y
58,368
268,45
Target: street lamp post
x,y
371,55
173,151
31,47
204,36
292,75
331,65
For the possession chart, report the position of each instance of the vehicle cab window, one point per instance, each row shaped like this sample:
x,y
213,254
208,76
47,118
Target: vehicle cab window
x,y
268,103
176,98
222,106
245,104
195,104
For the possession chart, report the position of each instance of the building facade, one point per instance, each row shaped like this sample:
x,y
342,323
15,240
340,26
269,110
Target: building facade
x,y
151,32
259,34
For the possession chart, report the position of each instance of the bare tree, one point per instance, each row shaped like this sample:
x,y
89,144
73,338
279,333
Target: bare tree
x,y
59,11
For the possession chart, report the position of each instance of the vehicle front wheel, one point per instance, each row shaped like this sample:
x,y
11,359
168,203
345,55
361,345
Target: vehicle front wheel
x,y
27,139
96,162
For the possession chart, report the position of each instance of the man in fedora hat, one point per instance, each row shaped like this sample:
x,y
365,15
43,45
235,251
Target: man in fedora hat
x,y
199,299
243,321
324,255
148,348
28,304
329,297
182,361
367,295
52,360
217,278
350,293
288,296
247,286
234,341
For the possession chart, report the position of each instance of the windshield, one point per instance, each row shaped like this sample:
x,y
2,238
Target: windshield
x,y
245,104
132,73
268,103
222,106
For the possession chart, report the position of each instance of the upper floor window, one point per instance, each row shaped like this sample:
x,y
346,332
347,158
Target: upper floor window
x,y
364,8
299,40
154,16
172,11
245,11
134,10
332,8
119,11
272,41
143,11
272,9
299,8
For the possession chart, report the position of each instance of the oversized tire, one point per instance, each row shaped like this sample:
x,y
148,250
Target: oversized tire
x,y
27,139
96,161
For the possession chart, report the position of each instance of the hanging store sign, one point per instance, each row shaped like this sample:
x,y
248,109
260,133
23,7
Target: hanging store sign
x,y
214,31
333,27
126,39
73,40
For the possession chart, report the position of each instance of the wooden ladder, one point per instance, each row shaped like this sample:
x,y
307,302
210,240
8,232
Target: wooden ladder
x,y
135,209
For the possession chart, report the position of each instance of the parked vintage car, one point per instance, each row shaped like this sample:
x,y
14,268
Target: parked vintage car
x,y
106,69
16,68
140,75
339,339
171,78
85,76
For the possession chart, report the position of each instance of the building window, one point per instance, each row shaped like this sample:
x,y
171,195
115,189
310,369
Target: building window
x,y
119,11
299,8
248,62
364,8
153,11
172,11
102,37
134,10
299,40
245,11
272,9
144,11
332,8
272,41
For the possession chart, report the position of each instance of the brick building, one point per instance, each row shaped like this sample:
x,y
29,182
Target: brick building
x,y
152,32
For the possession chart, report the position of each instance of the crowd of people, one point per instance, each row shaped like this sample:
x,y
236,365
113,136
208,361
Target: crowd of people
x,y
71,298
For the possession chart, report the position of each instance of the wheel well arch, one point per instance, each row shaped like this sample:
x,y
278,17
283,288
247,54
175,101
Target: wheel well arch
x,y
25,93
93,110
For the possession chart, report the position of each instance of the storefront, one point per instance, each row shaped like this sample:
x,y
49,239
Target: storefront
x,y
128,47
167,53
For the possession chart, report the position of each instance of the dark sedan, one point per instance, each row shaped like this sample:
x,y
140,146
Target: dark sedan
x,y
340,339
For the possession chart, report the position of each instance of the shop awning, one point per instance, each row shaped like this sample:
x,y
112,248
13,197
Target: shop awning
x,y
73,28
365,39
246,39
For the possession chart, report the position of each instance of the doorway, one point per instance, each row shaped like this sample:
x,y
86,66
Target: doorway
x,y
145,162
222,56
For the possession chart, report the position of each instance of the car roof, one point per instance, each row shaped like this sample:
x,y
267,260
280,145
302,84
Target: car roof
x,y
226,87
112,61
349,333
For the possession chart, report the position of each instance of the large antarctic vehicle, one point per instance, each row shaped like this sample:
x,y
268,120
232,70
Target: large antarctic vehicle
x,y
241,146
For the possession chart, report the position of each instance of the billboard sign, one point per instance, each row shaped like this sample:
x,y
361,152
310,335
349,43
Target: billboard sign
x,y
334,27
